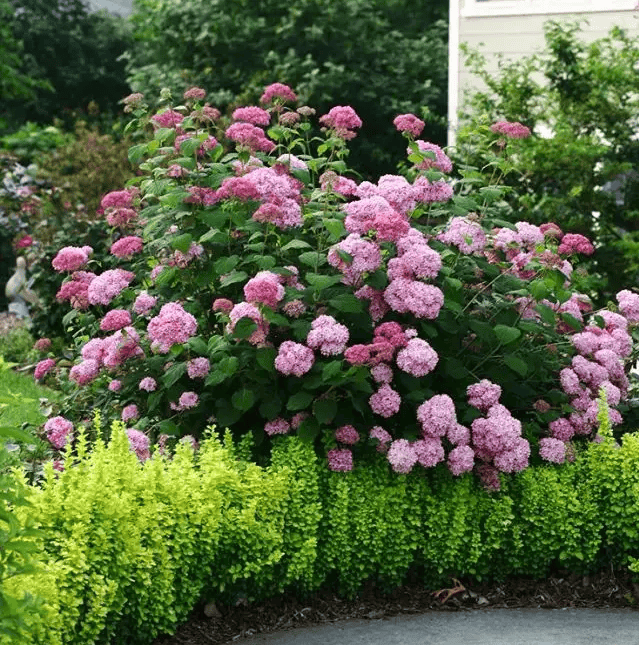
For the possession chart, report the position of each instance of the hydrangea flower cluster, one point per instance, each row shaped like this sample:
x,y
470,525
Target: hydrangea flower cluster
x,y
172,325
59,432
511,129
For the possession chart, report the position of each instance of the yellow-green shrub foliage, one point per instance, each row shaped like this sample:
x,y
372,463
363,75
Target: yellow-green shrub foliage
x,y
129,548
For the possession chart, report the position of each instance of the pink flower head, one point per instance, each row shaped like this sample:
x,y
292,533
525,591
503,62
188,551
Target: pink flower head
x,y
42,344
108,285
347,434
385,401
441,161
418,358
115,385
43,368
629,305
382,373
461,460
222,304
512,130
291,161
391,332
561,429
365,257
429,451
467,236
458,435
254,115
330,180
483,395
278,91
84,372
550,229
195,93
70,258
575,243
298,419
167,119
171,326
148,384
139,444
340,460
188,400
437,415
248,310
515,459
198,367
378,307
118,199
422,300
489,477
383,438
552,450
283,214
264,288
24,242
342,119
495,434
59,432
144,303
294,359
328,336
401,456
277,426
249,136
120,216
130,412
409,123
115,319
127,247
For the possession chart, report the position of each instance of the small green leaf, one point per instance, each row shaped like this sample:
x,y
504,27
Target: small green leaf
x,y
506,334
348,303
182,242
244,327
546,313
136,153
516,364
233,277
300,401
312,258
265,357
296,244
335,227
173,374
198,345
270,408
331,370
325,410
308,430
226,265
320,282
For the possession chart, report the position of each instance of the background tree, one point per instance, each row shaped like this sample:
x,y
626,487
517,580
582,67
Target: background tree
x,y
381,57
581,176
71,49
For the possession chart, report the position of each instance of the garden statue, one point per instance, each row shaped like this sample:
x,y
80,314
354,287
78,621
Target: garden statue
x,y
18,291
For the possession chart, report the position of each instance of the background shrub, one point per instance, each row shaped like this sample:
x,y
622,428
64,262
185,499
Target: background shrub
x,y
588,97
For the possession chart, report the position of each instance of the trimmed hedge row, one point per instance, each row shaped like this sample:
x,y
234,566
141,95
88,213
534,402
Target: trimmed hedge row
x,y
126,549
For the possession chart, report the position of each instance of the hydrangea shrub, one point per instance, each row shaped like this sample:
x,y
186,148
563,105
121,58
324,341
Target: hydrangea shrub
x,y
256,284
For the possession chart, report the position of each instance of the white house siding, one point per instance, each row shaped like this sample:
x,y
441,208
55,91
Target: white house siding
x,y
514,36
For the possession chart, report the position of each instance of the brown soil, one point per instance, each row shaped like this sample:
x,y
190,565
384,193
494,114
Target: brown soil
x,y
607,589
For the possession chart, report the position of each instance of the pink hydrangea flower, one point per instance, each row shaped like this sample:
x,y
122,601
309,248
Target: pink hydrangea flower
x,y
254,115
130,412
461,460
512,130
188,400
167,119
277,426
298,419
282,214
483,395
222,304
291,161
410,296
171,326
59,432
120,216
294,308
144,303
330,180
115,319
347,434
382,436
148,384
437,415
126,247
43,368
198,367
42,344
458,435
117,199
385,401
429,451
552,450
108,285
514,460
575,243
467,236
401,456
431,192
294,359
418,358
342,119
366,258
629,305
139,444
248,310
441,162
278,91
264,288
495,434
70,258
340,460
115,385
84,372
328,336
249,136
195,93
409,123
382,373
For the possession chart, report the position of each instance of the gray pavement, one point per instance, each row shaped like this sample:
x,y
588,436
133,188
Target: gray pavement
x,y
473,627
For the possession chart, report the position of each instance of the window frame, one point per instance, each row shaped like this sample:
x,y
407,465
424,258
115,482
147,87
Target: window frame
x,y
480,8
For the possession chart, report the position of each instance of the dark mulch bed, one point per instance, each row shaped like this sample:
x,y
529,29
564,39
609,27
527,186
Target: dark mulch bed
x,y
607,589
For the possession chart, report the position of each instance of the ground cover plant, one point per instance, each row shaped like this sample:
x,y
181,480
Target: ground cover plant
x,y
253,283
582,98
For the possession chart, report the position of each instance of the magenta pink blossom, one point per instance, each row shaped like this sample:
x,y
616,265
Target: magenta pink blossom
x,y
328,336
418,358
139,444
278,91
84,372
441,161
552,450
385,401
277,426
43,368
347,434
365,257
198,367
382,373
340,460
59,432
264,288
483,395
409,296
167,119
148,384
115,319
254,115
171,326
144,303
70,258
437,415
195,93
118,199
115,385
512,130
249,136
401,456
108,285
382,436
248,310
222,304
629,305
575,243
127,247
409,123
467,236
294,359
342,119
461,460
188,400
429,451
130,412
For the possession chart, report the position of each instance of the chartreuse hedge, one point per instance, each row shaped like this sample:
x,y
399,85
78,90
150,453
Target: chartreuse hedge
x,y
125,550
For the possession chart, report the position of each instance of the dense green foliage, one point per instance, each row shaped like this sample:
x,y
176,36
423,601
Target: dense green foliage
x,y
127,549
71,49
382,58
588,95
